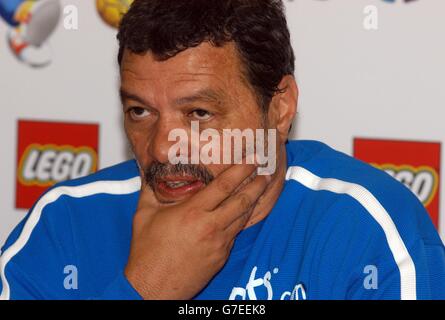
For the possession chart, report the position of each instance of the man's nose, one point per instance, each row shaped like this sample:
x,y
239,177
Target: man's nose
x,y
159,144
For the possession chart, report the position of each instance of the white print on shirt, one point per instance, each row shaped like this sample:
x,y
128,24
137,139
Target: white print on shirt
x,y
298,292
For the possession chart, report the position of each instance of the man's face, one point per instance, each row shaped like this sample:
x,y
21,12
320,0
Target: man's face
x,y
203,84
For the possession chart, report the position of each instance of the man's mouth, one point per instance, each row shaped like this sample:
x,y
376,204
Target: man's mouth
x,y
177,187
177,184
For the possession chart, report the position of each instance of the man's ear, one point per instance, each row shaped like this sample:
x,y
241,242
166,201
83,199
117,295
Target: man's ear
x,y
283,107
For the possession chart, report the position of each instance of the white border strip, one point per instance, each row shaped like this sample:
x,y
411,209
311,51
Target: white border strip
x,y
108,187
372,205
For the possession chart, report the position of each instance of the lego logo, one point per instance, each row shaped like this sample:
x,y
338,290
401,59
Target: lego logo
x,y
45,165
422,181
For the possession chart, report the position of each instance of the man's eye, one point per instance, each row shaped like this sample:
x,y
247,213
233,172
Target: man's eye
x,y
138,113
201,114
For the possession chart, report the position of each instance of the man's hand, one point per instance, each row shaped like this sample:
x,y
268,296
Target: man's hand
x,y
176,250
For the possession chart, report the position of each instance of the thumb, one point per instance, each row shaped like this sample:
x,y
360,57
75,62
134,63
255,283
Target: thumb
x,y
146,208
147,200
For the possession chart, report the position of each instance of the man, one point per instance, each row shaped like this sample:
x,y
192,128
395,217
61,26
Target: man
x,y
318,225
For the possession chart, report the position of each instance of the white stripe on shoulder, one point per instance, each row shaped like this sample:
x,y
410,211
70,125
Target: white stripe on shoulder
x,y
108,187
377,211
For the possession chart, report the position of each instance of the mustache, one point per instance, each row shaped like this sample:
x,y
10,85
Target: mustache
x,y
157,170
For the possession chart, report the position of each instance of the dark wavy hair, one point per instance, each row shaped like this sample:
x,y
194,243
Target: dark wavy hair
x,y
257,27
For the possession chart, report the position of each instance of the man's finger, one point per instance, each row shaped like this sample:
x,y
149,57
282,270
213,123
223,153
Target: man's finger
x,y
235,207
223,186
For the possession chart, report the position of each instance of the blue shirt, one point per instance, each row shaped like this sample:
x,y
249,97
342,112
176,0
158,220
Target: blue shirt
x,y
340,229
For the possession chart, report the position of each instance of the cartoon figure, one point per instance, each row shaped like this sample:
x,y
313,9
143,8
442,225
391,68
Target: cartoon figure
x,y
111,11
32,22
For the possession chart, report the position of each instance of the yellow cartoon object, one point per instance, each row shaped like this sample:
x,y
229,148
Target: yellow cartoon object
x,y
111,11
